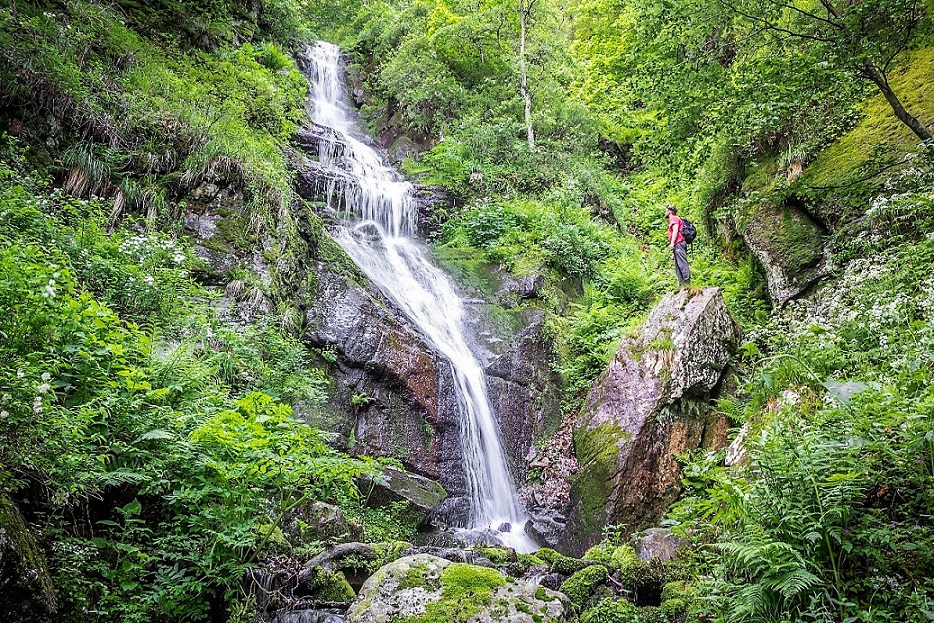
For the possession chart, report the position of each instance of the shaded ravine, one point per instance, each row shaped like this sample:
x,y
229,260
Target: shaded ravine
x,y
377,231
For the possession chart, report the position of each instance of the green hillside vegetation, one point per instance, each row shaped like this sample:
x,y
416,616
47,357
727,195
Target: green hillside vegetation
x,y
153,445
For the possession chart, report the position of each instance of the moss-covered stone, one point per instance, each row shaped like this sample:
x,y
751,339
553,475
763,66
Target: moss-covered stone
x,y
329,586
581,586
565,565
837,180
596,450
618,557
27,594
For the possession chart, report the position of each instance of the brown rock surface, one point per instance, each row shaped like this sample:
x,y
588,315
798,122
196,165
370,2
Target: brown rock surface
x,y
650,405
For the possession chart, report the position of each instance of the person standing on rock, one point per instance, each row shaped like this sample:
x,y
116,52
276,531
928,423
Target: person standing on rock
x,y
678,244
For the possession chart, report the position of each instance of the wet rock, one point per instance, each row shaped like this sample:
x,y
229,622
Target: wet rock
x,y
515,290
453,512
398,390
392,485
546,526
421,584
789,245
317,521
451,554
657,543
306,616
525,391
332,558
649,406
26,591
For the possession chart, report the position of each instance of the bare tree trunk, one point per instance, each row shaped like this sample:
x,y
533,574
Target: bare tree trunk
x,y
523,74
875,74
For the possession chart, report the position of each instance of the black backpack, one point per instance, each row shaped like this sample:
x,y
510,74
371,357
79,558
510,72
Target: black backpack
x,y
688,230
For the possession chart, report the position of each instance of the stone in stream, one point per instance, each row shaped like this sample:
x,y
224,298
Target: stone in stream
x,y
650,405
432,586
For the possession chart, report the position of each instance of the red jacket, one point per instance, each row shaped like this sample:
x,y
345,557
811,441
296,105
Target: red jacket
x,y
675,225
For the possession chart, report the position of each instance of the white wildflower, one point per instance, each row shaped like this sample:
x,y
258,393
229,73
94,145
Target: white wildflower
x,y
46,376
44,388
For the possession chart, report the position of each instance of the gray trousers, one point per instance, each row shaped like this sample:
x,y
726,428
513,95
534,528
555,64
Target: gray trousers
x,y
682,270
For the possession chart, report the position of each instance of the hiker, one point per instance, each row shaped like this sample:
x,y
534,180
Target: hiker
x,y
678,244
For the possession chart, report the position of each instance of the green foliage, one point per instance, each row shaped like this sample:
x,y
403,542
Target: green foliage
x,y
162,436
165,120
612,611
840,455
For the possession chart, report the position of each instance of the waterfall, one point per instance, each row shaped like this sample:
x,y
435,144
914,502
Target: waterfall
x,y
377,231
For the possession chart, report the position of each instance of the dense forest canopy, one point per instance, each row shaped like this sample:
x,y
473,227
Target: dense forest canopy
x,y
156,443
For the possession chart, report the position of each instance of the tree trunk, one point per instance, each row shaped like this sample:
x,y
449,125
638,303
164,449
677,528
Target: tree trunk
x,y
876,75
523,74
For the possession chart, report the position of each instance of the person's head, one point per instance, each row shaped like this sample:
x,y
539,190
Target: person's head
x,y
670,209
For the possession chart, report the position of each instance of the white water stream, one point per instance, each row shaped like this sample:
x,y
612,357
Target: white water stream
x,y
378,233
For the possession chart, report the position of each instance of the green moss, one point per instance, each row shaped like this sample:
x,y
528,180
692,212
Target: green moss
x,y
596,450
792,238
470,267
547,554
835,175
581,586
620,557
234,230
14,529
497,555
565,565
330,586
417,575
465,591
532,560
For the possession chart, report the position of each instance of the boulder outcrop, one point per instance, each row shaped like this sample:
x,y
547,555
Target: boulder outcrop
x,y
445,591
789,245
650,405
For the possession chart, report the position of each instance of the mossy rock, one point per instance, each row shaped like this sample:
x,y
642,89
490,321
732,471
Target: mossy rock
x,y
328,586
498,555
532,560
837,182
428,589
565,565
596,450
27,594
615,557
581,586
547,554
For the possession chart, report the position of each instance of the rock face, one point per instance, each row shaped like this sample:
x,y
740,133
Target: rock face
x,y
26,592
790,246
425,584
650,405
525,392
400,389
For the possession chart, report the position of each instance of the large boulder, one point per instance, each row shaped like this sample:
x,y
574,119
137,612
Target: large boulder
x,y
448,591
394,485
790,245
649,406
26,591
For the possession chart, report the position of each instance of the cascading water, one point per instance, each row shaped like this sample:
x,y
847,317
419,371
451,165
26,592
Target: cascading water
x,y
378,233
